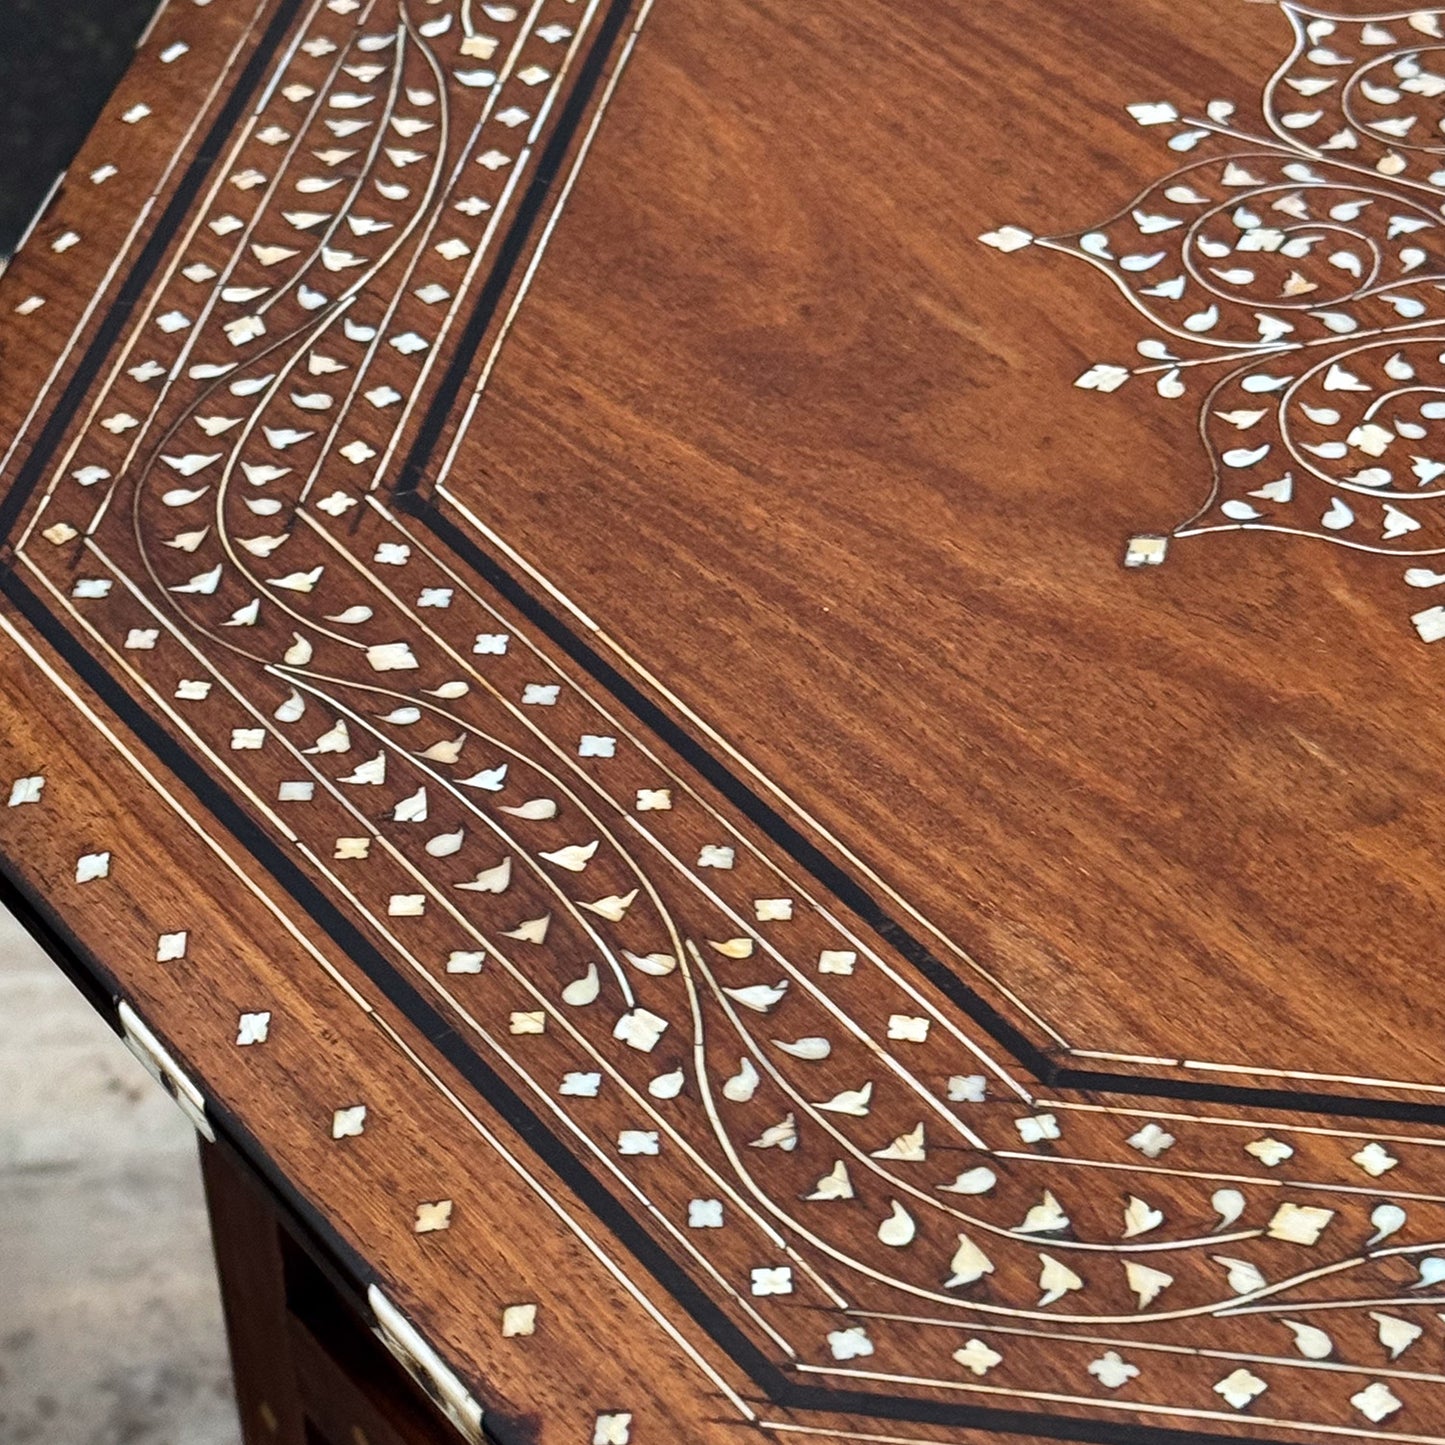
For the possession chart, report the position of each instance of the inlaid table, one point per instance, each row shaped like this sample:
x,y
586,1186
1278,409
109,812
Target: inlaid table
x,y
748,700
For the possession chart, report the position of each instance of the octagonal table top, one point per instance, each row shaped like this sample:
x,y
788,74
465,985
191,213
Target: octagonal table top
x,y
753,690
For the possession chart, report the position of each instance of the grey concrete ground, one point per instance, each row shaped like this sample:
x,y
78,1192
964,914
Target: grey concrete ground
x,y
110,1325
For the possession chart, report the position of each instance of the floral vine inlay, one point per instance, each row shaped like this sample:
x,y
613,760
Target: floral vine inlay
x,y
1294,281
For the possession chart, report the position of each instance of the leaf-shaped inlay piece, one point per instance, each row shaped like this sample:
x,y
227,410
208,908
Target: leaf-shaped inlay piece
x,y
614,907
1243,1277
1229,1204
537,810
1140,1218
534,930
968,1265
584,990
850,1101
1388,1219
783,1135
744,1084
1311,1341
833,1185
1046,1217
1146,1282
812,1048
496,879
759,997
978,1180
909,1146
657,965
574,858
1396,1334
1056,1280
445,845
667,1086
899,1229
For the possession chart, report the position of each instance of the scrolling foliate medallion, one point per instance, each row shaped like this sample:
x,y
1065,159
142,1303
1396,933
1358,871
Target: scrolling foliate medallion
x,y
1291,269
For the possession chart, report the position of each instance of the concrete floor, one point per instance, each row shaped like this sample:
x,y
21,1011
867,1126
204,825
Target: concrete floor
x,y
110,1324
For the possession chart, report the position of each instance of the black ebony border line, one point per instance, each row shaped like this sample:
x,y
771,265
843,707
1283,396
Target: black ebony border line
x,y
350,1271
103,992
356,946
780,1387
853,895
343,1265
409,497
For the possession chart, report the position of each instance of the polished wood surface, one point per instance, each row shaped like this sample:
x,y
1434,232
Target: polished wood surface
x,y
750,692
1147,805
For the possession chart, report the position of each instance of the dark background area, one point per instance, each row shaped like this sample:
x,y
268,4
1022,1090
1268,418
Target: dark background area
x,y
59,60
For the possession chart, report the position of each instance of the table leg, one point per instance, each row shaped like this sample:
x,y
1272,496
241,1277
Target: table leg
x,y
308,1369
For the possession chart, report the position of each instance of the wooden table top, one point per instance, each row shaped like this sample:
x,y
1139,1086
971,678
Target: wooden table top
x,y
755,690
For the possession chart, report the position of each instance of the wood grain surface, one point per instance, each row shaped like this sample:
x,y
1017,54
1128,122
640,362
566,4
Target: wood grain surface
x,y
752,690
